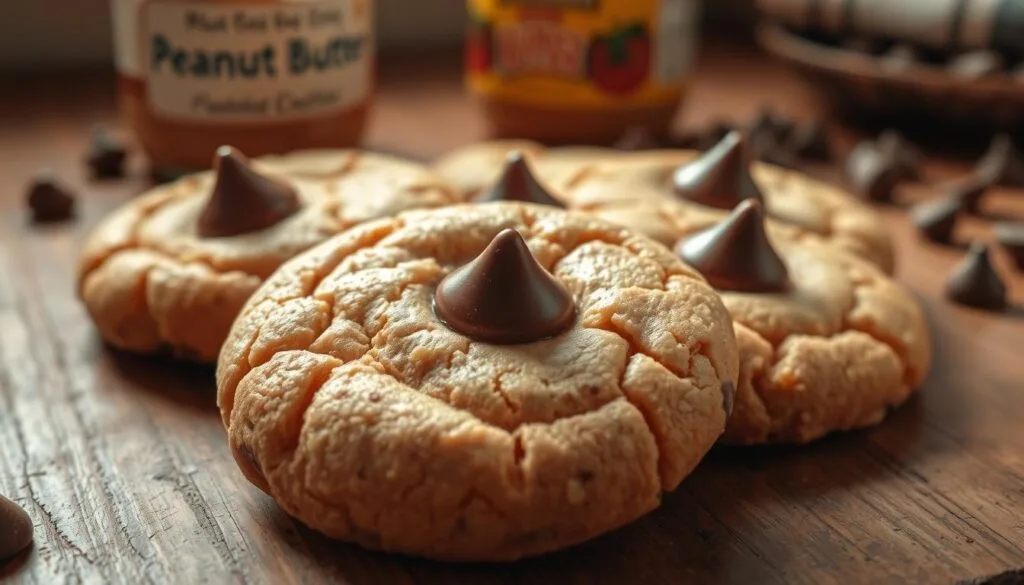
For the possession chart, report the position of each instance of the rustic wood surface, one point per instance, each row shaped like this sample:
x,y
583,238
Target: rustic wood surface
x,y
121,461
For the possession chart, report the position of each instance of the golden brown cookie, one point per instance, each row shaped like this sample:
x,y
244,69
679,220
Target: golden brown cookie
x,y
827,341
369,388
171,269
610,182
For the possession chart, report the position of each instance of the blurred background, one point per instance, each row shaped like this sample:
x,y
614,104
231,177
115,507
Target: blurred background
x,y
76,33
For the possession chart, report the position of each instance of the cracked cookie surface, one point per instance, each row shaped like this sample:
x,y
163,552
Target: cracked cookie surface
x,y
348,401
612,184
151,283
835,352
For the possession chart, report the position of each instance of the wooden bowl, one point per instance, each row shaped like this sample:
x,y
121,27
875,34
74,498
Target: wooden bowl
x,y
864,84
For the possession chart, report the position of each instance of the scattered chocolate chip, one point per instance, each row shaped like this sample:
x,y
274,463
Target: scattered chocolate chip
x,y
872,174
639,138
775,127
906,157
720,177
49,200
15,529
810,141
935,220
1002,164
243,200
504,296
974,281
976,64
518,183
1010,236
106,154
735,254
970,192
900,57
728,398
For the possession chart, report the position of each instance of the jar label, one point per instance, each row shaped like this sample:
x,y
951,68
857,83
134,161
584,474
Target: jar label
x,y
580,53
238,62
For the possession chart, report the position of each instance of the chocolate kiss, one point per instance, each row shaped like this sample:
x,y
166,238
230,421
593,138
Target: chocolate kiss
x,y
243,200
720,177
518,183
974,281
504,296
936,220
735,254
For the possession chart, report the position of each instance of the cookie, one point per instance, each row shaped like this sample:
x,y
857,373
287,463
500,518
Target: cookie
x,y
704,187
609,183
170,269
827,341
481,382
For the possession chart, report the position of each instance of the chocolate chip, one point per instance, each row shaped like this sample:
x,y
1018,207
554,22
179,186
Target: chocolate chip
x,y
975,64
49,200
1010,236
15,529
900,57
106,154
504,296
906,157
1002,164
974,281
243,200
871,173
518,183
810,141
639,138
720,177
935,220
728,398
970,192
735,254
771,126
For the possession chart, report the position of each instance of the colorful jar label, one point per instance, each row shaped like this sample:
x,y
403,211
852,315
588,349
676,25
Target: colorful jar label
x,y
246,62
580,53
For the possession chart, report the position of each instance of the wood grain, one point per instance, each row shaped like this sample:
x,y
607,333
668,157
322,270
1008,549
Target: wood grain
x,y
121,461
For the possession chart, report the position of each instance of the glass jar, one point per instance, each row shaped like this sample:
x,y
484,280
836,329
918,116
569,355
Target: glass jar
x,y
264,76
580,71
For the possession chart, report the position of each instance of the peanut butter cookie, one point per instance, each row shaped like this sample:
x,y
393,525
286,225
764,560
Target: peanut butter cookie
x,y
481,382
171,269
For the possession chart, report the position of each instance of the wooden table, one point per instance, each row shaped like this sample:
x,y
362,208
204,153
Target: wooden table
x,y
122,464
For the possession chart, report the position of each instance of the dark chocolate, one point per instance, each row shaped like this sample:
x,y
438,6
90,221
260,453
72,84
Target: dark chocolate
x,y
906,157
970,192
974,281
243,200
976,64
518,183
736,254
720,177
810,141
872,174
504,296
106,155
936,220
1002,164
49,200
1010,236
15,529
770,125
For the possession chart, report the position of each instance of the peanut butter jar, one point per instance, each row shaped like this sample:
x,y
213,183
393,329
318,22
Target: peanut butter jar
x,y
582,71
264,76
